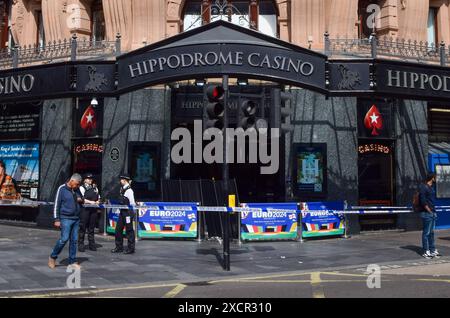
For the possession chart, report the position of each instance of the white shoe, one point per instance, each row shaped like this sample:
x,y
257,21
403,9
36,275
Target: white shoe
x,y
427,255
436,254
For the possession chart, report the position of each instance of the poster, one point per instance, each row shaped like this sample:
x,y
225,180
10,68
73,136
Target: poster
x,y
144,168
310,168
19,121
443,181
271,221
318,219
22,164
162,220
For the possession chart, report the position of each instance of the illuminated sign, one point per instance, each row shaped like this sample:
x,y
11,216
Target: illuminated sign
x,y
374,148
89,147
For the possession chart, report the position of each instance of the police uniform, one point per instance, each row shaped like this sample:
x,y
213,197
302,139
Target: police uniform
x,y
125,219
88,217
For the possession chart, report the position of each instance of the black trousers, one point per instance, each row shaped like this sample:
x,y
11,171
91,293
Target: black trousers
x,y
129,230
88,220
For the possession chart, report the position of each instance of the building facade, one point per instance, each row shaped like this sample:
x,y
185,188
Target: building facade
x,y
361,159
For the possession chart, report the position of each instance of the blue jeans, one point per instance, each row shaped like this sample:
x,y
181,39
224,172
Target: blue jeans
x,y
429,223
69,232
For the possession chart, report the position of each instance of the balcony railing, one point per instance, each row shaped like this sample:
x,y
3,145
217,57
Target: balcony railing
x,y
59,51
390,48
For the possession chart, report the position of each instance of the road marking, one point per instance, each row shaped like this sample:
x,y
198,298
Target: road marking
x,y
433,280
343,274
90,292
257,277
316,286
178,289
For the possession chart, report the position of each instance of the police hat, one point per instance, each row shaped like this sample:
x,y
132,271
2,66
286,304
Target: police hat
x,y
125,176
88,176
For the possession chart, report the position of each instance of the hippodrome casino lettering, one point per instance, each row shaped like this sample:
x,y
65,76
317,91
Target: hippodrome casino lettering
x,y
197,59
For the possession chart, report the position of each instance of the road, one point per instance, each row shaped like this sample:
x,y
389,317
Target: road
x,y
184,269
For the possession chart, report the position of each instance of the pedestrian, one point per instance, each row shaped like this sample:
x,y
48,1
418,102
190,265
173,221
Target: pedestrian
x,y
66,215
8,187
88,218
429,217
126,217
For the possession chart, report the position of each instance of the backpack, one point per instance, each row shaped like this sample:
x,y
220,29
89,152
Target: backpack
x,y
417,207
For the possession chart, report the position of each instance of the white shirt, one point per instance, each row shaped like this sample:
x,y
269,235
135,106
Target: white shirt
x,y
129,193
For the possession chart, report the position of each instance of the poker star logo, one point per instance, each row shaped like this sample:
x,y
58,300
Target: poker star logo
x,y
89,120
373,120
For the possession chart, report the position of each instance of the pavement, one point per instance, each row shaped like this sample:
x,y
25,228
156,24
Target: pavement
x,y
315,268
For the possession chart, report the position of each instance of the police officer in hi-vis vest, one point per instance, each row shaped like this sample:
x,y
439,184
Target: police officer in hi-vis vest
x,y
89,216
126,217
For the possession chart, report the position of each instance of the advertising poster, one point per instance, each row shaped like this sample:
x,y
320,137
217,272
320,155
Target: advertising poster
x,y
270,221
310,169
162,220
19,121
318,219
22,164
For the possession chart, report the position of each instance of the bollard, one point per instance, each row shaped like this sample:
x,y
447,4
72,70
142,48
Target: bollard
x,y
300,227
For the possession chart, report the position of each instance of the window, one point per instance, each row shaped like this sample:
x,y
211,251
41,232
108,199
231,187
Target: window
x,y
98,21
5,23
40,36
255,14
364,28
432,30
438,119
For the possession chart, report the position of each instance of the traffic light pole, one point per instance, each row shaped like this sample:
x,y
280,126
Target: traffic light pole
x,y
225,178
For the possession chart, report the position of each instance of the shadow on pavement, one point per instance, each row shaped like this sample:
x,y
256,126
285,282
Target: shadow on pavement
x,y
80,260
414,248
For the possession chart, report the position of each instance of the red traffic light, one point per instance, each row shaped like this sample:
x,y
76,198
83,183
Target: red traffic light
x,y
215,93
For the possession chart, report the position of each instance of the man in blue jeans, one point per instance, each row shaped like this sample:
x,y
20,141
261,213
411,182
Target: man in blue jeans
x,y
67,217
429,216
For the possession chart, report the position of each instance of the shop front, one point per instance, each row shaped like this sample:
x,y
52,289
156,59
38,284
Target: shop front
x,y
359,126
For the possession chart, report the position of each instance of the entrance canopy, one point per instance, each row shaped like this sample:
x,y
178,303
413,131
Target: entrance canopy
x,y
222,48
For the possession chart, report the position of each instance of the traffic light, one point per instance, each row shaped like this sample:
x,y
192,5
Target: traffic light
x,y
247,114
279,112
215,107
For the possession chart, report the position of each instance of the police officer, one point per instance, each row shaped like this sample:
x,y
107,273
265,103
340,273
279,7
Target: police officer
x,y
88,220
126,217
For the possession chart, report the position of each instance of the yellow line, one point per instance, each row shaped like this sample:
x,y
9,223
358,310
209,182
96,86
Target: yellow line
x,y
317,288
256,277
433,280
92,292
296,281
343,274
178,289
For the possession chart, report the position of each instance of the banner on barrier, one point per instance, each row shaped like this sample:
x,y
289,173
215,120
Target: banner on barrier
x,y
318,219
112,215
161,220
276,221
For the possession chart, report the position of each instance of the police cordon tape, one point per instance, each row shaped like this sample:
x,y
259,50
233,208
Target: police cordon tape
x,y
359,210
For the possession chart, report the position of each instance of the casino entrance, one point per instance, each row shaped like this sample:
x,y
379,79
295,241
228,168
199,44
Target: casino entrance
x,y
250,184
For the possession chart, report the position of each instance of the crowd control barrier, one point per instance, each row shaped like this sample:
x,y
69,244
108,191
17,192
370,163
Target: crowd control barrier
x,y
257,221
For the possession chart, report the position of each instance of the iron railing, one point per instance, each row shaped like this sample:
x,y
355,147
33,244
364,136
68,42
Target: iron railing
x,y
388,47
58,51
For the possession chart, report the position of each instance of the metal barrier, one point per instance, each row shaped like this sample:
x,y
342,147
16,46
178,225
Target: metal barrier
x,y
356,210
